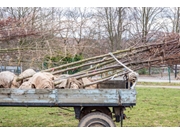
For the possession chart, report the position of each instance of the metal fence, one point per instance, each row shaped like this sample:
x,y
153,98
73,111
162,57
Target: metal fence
x,y
14,69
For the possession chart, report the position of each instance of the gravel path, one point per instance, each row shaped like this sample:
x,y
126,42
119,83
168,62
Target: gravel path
x,y
173,87
157,78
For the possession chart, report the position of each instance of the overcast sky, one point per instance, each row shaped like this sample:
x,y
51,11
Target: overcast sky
x,y
90,3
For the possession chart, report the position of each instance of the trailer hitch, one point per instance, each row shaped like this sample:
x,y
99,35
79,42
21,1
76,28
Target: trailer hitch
x,y
119,114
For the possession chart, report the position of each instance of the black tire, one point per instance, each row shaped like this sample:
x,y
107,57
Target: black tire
x,y
96,119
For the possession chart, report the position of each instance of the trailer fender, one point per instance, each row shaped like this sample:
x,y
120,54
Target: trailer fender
x,y
90,109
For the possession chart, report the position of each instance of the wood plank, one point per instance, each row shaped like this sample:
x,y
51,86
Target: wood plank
x,y
76,96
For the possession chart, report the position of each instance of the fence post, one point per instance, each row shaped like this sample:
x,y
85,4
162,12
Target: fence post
x,y
169,70
175,71
1,66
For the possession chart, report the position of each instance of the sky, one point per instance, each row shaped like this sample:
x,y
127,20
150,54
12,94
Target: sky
x,y
90,3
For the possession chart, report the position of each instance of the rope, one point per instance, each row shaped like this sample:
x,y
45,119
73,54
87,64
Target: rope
x,y
120,62
132,76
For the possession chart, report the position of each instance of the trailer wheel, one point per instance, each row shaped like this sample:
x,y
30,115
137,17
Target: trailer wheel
x,y
96,119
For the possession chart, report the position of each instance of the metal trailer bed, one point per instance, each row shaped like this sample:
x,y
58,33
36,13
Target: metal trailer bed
x,y
91,106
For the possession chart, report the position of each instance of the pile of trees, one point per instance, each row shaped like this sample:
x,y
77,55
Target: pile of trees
x,y
163,51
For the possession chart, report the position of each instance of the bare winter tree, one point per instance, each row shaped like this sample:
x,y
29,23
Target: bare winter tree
x,y
113,21
80,27
29,20
146,20
172,23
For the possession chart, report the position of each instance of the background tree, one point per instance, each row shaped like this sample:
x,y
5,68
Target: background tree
x,y
112,19
146,23
172,24
146,20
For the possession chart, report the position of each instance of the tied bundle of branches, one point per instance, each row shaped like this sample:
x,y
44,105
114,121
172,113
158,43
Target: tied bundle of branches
x,y
162,51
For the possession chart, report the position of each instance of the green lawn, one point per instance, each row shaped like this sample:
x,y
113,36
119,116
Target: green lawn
x,y
155,108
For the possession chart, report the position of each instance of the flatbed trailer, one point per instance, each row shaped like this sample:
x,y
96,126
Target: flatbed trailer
x,y
93,107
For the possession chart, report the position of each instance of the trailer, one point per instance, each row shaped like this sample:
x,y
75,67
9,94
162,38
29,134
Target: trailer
x,y
92,107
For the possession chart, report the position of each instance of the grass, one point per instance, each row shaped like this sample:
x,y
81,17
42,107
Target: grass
x,y
156,107
36,117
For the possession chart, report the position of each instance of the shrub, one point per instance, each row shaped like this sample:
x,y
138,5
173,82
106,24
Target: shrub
x,y
58,60
142,71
